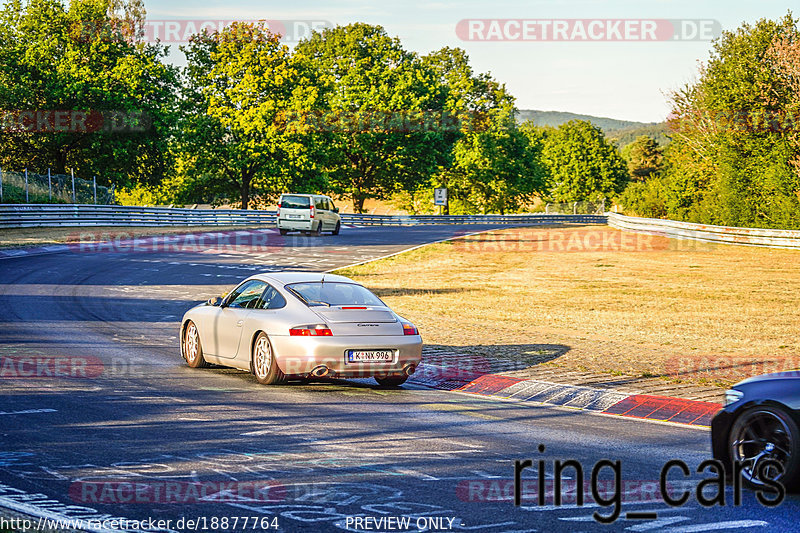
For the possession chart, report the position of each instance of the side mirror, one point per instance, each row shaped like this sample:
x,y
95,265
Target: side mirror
x,y
215,301
335,209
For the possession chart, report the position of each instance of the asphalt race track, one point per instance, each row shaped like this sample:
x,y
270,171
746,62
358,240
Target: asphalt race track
x,y
144,437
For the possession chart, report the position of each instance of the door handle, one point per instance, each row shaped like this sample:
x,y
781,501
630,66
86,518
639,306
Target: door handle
x,y
239,323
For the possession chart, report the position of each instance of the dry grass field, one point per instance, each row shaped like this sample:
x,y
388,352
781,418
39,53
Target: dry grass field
x,y
596,299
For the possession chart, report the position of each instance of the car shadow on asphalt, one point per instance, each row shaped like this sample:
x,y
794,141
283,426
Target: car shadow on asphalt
x,y
450,367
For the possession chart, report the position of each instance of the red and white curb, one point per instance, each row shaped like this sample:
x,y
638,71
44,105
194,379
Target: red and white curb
x,y
609,402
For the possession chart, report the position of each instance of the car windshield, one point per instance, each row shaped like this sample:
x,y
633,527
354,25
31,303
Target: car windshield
x,y
295,202
334,293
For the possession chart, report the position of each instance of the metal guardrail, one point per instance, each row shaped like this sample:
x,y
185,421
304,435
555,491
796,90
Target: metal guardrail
x,y
73,215
414,220
82,215
775,238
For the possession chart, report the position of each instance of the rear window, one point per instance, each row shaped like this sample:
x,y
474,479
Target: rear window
x,y
295,202
333,293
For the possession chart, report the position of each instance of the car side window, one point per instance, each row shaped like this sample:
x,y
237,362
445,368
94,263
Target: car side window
x,y
248,295
271,299
320,204
329,204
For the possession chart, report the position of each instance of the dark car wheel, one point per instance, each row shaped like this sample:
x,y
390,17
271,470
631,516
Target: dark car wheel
x,y
192,349
766,432
318,231
391,381
263,364
337,228
283,231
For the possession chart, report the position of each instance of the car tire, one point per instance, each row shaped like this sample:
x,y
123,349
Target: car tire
x,y
283,231
766,431
317,232
391,381
337,228
263,364
192,349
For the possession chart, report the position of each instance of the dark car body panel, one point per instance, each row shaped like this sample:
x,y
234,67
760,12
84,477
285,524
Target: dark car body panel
x,y
781,389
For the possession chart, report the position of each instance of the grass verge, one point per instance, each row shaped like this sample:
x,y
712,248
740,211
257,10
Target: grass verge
x,y
594,299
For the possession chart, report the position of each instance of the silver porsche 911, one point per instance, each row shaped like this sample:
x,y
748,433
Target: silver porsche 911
x,y
284,325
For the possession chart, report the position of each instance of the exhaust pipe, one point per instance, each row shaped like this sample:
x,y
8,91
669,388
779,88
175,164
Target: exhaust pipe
x,y
409,369
320,371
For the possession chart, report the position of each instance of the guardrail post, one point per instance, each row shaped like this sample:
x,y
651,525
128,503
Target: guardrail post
x,y
72,172
574,208
26,185
49,185
547,208
94,185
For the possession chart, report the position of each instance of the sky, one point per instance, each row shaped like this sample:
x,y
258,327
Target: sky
x,y
626,76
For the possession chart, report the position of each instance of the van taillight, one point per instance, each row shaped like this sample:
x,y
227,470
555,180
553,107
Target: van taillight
x,y
312,211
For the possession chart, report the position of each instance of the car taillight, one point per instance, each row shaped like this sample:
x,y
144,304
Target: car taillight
x,y
311,330
409,329
312,211
278,211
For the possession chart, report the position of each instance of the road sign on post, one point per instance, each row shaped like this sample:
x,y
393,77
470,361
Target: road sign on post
x,y
440,197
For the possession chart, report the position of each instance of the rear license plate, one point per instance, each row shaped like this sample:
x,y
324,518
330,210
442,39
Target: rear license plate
x,y
370,356
295,217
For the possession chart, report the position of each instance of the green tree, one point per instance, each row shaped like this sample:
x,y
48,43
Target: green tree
x,y
492,167
85,58
243,93
382,112
644,158
736,132
582,164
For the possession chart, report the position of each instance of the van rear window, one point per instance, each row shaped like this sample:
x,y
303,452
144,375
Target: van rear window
x,y
295,202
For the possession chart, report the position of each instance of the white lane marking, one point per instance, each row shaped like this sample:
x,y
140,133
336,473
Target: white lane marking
x,y
657,523
716,526
28,412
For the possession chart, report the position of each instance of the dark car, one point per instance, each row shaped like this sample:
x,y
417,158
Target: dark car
x,y
761,421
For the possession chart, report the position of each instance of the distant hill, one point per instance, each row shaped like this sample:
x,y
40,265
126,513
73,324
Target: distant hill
x,y
621,131
624,136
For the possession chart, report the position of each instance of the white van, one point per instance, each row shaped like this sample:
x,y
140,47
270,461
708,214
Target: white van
x,y
309,213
